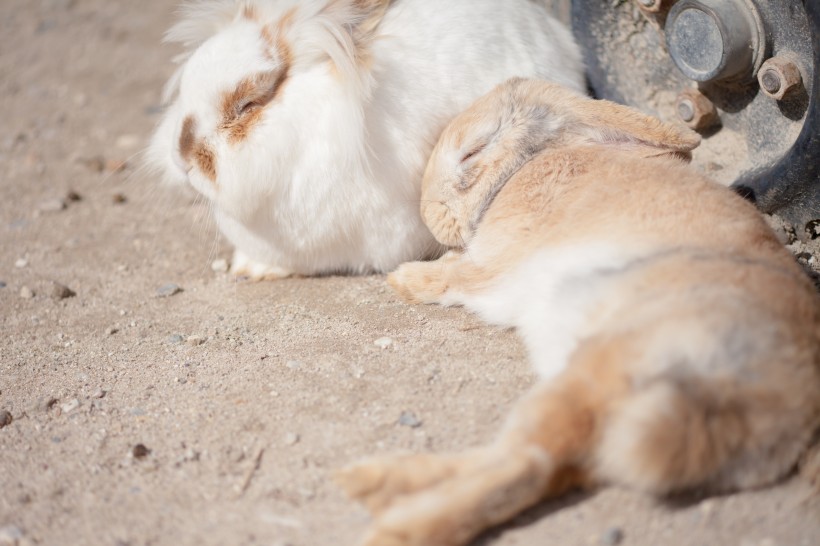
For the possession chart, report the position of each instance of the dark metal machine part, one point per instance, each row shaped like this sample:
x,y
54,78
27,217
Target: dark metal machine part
x,y
657,54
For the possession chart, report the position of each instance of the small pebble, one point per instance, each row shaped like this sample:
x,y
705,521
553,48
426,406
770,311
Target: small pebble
x,y
61,291
26,293
70,406
383,342
97,394
139,451
612,536
291,439
220,266
195,341
21,263
111,331
3,284
51,205
73,196
409,419
293,364
46,403
10,535
118,198
5,418
175,339
167,290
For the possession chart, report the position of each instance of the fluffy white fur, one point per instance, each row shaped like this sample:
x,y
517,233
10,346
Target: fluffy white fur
x,y
547,298
330,178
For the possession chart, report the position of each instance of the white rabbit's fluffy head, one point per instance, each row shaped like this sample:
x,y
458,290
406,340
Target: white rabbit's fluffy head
x,y
252,95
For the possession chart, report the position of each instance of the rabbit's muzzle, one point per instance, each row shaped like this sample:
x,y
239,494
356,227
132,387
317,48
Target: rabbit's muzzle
x,y
442,223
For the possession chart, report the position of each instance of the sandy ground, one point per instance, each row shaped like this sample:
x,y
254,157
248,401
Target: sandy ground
x,y
216,415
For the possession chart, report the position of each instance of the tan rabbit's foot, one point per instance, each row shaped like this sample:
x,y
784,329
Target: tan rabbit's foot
x,y
484,488
419,282
377,482
243,266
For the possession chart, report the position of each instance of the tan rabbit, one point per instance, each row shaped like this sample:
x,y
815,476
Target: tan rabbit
x,y
677,341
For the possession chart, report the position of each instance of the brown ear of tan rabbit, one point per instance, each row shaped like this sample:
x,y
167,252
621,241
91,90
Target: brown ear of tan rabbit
x,y
676,340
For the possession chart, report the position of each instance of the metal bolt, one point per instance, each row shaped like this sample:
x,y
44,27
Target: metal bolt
x,y
652,6
686,110
695,109
778,77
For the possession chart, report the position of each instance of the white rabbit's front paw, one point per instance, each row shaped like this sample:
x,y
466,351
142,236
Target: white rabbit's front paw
x,y
243,266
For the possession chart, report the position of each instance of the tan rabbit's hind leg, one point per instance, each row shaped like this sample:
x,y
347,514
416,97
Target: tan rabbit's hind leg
x,y
456,510
378,481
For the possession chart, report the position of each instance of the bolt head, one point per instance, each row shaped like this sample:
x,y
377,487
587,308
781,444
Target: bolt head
x,y
652,6
770,81
686,110
695,109
779,77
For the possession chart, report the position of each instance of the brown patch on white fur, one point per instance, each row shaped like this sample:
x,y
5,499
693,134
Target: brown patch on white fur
x,y
206,160
243,107
187,138
196,151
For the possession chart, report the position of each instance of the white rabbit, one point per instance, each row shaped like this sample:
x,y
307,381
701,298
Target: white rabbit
x,y
307,124
677,341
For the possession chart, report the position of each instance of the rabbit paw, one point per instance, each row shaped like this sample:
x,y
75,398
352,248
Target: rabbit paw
x,y
243,266
419,282
377,482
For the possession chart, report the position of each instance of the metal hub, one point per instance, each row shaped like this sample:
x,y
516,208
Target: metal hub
x,y
714,40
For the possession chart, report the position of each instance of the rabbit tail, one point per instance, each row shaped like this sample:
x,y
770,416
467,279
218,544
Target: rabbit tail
x,y
678,434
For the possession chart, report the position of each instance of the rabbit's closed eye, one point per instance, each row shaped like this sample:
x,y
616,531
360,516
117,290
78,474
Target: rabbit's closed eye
x,y
474,152
242,107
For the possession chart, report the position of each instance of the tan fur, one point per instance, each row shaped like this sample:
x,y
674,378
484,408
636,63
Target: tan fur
x,y
699,365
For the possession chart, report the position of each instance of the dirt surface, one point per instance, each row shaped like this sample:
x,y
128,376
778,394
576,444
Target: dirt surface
x,y
216,414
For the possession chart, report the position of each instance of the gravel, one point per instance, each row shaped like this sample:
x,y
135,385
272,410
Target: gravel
x,y
168,290
139,451
70,406
291,439
10,535
52,205
612,536
21,263
409,419
5,418
175,339
195,341
26,293
383,342
61,291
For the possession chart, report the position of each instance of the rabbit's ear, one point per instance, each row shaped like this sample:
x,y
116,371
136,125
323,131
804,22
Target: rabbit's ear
x,y
605,122
360,16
